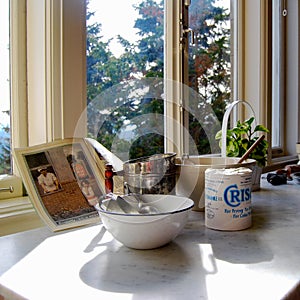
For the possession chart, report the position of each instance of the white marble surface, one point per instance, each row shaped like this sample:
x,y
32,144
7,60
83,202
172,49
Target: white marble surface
x,y
262,262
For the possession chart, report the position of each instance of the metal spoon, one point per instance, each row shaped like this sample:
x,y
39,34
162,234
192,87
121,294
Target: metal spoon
x,y
146,209
143,209
129,208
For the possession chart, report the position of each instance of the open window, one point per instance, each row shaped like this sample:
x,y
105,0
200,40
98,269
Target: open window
x,y
167,76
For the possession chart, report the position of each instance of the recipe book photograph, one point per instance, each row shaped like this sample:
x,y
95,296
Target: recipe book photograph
x,y
63,180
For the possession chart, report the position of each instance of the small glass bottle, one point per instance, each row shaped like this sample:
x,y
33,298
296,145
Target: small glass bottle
x,y
109,183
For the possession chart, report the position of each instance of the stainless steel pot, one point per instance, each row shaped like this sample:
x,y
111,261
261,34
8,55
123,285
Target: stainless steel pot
x,y
154,174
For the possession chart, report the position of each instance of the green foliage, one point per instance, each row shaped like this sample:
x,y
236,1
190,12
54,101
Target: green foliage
x,y
126,112
5,151
209,61
151,45
241,137
146,145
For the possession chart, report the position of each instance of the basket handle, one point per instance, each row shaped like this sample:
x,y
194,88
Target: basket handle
x,y
225,122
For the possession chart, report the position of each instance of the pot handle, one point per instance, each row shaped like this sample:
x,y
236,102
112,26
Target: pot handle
x,y
225,122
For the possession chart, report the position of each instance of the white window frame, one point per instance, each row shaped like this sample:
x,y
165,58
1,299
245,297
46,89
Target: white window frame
x,y
46,41
48,74
18,77
45,88
48,68
292,105
255,73
173,73
278,74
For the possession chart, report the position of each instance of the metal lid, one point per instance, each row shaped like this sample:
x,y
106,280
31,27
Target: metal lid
x,y
154,164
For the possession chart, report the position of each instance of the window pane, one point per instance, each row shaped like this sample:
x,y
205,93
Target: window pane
x,y
5,165
119,54
209,70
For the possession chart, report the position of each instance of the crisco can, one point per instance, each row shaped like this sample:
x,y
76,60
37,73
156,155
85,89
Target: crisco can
x,y
228,198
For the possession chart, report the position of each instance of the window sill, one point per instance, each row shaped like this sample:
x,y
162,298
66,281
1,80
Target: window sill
x,y
15,206
281,162
18,214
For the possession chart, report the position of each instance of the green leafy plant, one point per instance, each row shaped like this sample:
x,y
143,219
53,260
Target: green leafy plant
x,y
241,137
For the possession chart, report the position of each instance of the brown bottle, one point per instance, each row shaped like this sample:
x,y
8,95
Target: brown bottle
x,y
109,183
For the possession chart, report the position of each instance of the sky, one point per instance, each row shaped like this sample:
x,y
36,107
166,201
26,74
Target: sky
x,y
121,22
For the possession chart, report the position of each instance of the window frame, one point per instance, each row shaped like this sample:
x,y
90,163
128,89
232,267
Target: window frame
x,y
18,74
48,74
292,103
18,93
255,72
278,75
63,81
48,69
173,73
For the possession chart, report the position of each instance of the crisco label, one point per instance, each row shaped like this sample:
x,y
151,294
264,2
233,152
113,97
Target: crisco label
x,y
234,196
228,198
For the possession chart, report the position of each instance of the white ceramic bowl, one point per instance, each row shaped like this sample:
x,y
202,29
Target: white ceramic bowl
x,y
148,231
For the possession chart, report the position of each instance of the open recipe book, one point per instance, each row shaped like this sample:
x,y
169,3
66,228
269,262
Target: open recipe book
x,y
64,179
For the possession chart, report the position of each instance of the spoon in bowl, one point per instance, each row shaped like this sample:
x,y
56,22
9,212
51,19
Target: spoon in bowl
x,y
131,208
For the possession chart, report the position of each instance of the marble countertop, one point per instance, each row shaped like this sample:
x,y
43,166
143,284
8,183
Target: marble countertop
x,y
262,262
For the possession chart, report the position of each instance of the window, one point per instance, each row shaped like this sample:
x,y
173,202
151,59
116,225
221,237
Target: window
x,y
5,159
48,73
209,72
291,102
45,81
116,54
256,71
120,55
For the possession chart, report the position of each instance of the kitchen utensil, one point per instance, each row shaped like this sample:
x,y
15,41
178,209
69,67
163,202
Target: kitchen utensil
x,y
132,205
147,231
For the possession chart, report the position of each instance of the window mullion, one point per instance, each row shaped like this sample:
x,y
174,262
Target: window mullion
x,y
18,74
173,78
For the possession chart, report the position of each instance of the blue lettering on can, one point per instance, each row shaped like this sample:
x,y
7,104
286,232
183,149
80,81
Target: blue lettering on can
x,y
247,194
212,198
234,197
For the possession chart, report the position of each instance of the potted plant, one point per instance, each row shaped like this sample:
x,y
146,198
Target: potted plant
x,y
240,138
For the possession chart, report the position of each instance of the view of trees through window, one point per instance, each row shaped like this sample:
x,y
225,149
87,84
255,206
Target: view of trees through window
x,y
140,58
143,57
138,52
209,62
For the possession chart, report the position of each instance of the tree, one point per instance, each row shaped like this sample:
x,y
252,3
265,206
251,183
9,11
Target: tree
x,y
209,60
141,59
98,61
209,65
150,27
5,150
